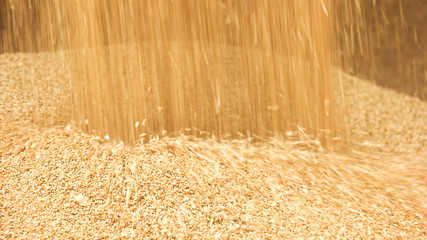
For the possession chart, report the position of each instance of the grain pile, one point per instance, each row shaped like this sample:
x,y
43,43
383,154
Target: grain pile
x,y
34,87
57,182
383,120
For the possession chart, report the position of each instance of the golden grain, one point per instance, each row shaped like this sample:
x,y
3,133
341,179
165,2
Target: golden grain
x,y
230,69
221,69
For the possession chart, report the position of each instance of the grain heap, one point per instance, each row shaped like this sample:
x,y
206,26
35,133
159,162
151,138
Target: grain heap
x,y
58,182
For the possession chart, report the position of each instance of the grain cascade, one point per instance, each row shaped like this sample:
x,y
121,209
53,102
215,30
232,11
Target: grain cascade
x,y
223,69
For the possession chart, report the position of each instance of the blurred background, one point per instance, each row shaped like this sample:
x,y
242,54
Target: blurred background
x,y
381,40
392,49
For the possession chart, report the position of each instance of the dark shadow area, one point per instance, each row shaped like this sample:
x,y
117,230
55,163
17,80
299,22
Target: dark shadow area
x,y
388,43
402,58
